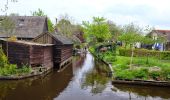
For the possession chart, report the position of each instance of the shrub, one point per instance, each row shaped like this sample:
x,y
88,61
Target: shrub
x,y
165,55
8,70
155,75
24,69
124,74
141,73
108,56
3,58
166,73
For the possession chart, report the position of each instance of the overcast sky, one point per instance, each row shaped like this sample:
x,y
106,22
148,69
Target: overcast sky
x,y
155,13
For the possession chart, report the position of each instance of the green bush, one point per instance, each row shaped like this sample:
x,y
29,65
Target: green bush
x,y
165,55
108,56
141,73
155,75
24,69
7,69
166,73
124,74
3,58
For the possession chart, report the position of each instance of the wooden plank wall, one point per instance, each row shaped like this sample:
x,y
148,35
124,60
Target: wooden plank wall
x,y
32,55
44,39
66,52
18,53
48,56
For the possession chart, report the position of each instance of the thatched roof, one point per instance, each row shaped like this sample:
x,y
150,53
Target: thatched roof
x,y
27,26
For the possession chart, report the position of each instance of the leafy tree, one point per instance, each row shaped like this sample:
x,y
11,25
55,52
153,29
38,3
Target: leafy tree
x,y
49,22
131,36
98,30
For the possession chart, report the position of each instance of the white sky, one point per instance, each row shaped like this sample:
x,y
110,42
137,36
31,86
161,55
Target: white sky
x,y
155,13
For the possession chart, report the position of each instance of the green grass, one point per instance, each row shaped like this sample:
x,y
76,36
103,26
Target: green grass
x,y
12,69
141,68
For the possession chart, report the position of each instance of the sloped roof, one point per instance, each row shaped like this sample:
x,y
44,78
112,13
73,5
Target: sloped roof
x,y
62,39
27,26
56,36
165,33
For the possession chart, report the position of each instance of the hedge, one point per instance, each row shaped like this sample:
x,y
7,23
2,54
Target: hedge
x,y
164,55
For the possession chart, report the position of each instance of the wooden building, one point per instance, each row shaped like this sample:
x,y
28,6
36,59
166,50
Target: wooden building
x,y
62,50
27,53
25,27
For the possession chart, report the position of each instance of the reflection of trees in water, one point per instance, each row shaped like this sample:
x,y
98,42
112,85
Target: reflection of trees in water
x,y
96,79
145,91
8,86
38,88
101,67
78,61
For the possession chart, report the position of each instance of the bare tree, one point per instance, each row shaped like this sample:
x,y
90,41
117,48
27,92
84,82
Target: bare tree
x,y
7,27
65,25
5,8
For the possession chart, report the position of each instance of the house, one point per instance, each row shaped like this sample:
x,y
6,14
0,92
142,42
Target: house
x,y
62,49
26,27
165,34
79,35
28,53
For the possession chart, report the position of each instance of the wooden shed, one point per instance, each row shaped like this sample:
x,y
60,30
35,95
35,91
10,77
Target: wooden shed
x,y
28,53
62,49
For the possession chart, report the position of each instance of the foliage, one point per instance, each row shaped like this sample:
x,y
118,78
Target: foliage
x,y
65,27
7,69
141,71
3,59
7,26
166,73
108,56
155,75
165,55
124,74
49,22
97,31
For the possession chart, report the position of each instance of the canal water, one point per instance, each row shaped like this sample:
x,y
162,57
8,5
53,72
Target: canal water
x,y
84,79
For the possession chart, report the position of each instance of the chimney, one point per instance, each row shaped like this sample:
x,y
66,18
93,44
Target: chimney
x,y
56,29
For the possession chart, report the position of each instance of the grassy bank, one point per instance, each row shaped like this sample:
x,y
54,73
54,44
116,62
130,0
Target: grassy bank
x,y
142,68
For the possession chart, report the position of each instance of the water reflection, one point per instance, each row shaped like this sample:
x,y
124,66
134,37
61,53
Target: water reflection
x,y
84,79
44,88
145,92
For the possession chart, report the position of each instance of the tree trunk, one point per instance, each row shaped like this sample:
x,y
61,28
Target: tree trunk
x,y
131,59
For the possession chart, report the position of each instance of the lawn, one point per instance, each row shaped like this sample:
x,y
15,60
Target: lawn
x,y
142,68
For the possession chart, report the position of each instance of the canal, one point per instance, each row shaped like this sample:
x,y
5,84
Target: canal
x,y
84,79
